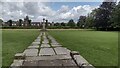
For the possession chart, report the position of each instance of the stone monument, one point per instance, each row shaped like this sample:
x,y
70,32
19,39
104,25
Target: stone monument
x,y
43,25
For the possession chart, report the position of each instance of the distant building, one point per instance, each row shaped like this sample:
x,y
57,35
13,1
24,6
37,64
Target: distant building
x,y
36,23
25,23
15,23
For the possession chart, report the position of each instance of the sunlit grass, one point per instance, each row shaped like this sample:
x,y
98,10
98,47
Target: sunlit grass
x,y
15,41
99,48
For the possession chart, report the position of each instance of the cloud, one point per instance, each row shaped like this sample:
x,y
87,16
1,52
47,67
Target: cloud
x,y
38,10
63,9
52,0
75,12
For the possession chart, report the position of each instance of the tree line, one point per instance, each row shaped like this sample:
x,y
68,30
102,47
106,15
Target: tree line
x,y
106,17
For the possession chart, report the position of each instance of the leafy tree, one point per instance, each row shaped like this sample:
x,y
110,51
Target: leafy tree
x,y
115,18
78,23
71,23
57,24
81,21
90,19
10,22
63,24
103,14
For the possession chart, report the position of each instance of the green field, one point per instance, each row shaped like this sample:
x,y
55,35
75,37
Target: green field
x,y
15,41
97,47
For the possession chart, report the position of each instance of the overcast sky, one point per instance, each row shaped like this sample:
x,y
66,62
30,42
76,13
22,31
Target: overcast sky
x,y
53,11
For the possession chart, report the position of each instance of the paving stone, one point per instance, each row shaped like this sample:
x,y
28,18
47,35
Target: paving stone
x,y
46,52
45,45
49,63
72,53
57,63
54,41
44,37
68,63
54,57
33,47
87,66
80,60
36,43
38,37
16,64
62,50
31,52
37,40
20,56
56,45
45,41
30,64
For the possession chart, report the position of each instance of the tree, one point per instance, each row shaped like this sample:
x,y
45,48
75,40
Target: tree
x,y
115,18
57,24
10,22
20,22
62,24
71,23
103,14
90,19
81,21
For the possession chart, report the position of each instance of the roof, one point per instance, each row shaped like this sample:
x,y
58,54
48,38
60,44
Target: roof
x,y
35,22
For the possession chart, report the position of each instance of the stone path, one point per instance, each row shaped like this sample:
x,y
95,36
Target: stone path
x,y
46,52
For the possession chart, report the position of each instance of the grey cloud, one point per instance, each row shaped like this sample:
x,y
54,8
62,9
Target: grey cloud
x,y
31,8
37,10
63,9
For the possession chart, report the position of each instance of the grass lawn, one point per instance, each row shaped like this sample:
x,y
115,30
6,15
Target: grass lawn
x,y
98,47
15,41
